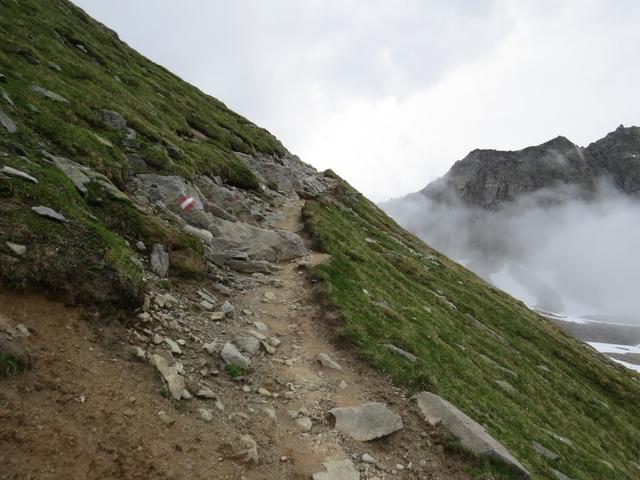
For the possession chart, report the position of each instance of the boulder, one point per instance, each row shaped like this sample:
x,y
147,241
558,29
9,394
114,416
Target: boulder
x,y
337,469
366,422
471,434
204,235
159,260
248,450
545,452
250,266
16,248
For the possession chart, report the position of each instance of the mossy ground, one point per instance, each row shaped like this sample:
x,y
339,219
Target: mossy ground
x,y
392,288
178,130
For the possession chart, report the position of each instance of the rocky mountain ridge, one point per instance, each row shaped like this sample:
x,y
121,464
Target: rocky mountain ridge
x,y
490,178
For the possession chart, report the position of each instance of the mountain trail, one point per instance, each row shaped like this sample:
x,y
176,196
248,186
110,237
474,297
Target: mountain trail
x,y
89,409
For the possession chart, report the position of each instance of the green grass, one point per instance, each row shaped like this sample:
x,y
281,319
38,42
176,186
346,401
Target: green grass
x,y
55,45
9,365
234,371
396,290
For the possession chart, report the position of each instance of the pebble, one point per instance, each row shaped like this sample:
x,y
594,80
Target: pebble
x,y
366,458
166,419
205,414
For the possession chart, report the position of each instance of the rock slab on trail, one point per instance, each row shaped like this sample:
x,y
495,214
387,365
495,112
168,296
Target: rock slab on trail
x,y
337,469
366,422
471,434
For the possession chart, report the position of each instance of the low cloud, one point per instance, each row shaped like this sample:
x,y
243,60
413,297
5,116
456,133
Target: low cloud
x,y
553,249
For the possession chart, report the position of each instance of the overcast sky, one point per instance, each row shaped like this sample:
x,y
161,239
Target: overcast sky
x,y
390,93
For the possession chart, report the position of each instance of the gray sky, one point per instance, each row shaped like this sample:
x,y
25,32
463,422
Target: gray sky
x,y
390,93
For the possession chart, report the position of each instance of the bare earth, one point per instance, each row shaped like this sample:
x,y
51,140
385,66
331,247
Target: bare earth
x,y
87,409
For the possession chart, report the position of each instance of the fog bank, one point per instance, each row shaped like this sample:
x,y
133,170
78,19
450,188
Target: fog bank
x,y
549,249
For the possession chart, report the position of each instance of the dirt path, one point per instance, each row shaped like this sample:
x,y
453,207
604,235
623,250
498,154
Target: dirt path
x,y
88,410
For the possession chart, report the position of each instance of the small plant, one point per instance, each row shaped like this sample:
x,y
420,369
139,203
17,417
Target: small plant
x,y
234,371
9,365
164,391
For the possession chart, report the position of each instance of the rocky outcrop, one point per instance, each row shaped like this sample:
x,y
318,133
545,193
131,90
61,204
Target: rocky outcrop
x,y
489,178
472,435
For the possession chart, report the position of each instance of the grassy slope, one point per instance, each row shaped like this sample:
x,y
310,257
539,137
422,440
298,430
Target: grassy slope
x,y
582,397
55,45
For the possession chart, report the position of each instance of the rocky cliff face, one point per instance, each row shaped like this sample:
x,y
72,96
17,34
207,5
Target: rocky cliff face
x,y
490,178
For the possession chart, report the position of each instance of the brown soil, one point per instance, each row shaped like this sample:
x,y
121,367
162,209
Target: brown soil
x,y
88,410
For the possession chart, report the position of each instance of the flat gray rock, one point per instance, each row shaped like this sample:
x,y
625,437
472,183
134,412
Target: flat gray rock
x,y
561,476
7,123
337,469
471,434
367,421
175,381
56,97
16,248
13,172
232,356
49,213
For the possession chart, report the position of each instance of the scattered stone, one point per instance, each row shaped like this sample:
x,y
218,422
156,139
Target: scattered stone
x,y
366,458
304,423
257,335
232,356
343,385
24,331
206,305
175,348
55,66
403,353
48,94
141,246
7,123
113,119
337,469
326,361
205,414
471,434
276,342
247,344
217,316
137,353
205,392
210,348
506,386
270,350
157,338
49,213
270,411
264,392
206,295
270,296
545,452
166,419
544,368
159,260
261,327
249,450
13,172
367,421
227,308
16,248
175,381
205,235
250,266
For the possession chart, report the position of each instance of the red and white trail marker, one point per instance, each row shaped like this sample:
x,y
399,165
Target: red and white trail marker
x,y
187,203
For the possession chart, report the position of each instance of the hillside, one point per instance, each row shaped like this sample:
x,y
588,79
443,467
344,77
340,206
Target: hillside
x,y
181,297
